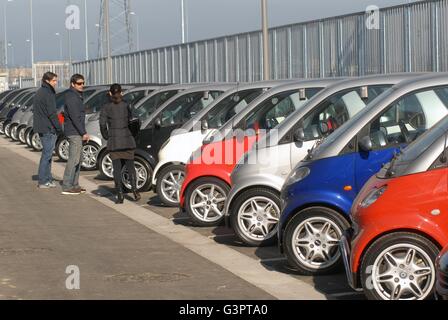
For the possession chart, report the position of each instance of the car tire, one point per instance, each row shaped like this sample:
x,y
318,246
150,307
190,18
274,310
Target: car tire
x,y
323,227
61,149
8,130
204,186
21,134
105,165
244,204
2,127
28,134
36,144
398,247
144,174
90,156
13,132
172,177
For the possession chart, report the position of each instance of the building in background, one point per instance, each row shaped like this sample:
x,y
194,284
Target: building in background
x,y
3,81
61,68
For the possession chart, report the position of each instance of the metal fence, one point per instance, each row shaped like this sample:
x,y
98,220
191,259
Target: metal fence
x,y
411,37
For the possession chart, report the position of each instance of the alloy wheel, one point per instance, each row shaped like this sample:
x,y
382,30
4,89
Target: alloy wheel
x,y
107,167
207,202
141,176
89,156
171,184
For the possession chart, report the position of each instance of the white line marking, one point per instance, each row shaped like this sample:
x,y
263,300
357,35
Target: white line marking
x,y
277,284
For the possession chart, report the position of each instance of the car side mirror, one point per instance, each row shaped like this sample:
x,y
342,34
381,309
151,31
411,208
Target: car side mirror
x,y
299,135
157,123
365,144
204,125
206,95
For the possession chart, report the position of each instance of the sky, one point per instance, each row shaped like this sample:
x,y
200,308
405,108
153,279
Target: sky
x,y
158,22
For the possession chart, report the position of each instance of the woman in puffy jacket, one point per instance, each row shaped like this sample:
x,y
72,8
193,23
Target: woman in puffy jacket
x,y
114,126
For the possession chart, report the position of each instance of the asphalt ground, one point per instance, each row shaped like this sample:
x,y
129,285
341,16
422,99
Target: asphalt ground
x,y
140,250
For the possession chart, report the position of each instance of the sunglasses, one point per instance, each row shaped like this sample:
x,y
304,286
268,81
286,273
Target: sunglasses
x,y
79,83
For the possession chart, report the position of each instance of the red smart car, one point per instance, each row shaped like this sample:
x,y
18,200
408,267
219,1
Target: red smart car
x,y
400,222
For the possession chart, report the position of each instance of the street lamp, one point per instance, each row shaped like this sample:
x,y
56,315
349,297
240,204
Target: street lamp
x,y
60,44
138,29
5,28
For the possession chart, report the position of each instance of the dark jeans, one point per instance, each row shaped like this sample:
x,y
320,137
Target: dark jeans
x,y
71,173
48,141
130,166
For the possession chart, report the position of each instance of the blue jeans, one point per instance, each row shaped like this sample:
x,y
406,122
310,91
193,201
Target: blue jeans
x,y
48,141
71,173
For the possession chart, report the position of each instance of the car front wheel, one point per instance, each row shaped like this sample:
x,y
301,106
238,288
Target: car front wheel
x,y
399,266
311,240
143,175
204,201
255,216
169,182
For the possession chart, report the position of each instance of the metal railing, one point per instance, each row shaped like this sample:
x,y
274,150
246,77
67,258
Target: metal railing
x,y
411,37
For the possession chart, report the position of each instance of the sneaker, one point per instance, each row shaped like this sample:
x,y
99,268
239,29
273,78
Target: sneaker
x,y
71,191
52,184
47,185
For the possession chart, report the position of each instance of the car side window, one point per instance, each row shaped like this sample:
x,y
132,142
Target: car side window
x,y
408,118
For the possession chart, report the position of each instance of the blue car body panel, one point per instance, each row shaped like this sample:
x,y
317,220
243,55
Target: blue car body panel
x,y
332,182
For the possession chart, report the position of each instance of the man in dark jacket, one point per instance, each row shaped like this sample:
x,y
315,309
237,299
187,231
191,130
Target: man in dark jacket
x,y
75,131
46,124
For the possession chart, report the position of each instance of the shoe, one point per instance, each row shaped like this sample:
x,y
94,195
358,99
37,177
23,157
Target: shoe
x,y
52,184
120,198
80,189
47,185
71,191
137,196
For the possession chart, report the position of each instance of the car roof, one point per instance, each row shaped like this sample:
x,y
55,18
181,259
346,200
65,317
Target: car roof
x,y
295,85
214,86
333,144
336,87
237,88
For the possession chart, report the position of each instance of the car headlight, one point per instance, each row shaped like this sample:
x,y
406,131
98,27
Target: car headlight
x,y
297,175
372,197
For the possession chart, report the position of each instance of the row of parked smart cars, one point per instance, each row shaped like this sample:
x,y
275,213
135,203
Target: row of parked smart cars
x,y
336,171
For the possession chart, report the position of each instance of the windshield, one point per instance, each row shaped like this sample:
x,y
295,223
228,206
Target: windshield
x,y
186,106
337,109
60,100
150,105
330,139
87,93
417,148
271,112
230,106
132,98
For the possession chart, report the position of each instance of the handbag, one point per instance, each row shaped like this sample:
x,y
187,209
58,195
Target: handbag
x,y
133,124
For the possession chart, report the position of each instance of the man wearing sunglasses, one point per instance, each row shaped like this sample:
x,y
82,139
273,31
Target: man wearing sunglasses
x,y
75,131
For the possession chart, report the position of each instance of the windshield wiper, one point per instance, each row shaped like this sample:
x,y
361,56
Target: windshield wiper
x,y
315,145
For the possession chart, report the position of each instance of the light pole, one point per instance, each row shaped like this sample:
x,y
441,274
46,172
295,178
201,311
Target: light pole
x,y
182,12
26,58
138,29
12,53
6,37
86,31
107,30
60,45
264,23
32,42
